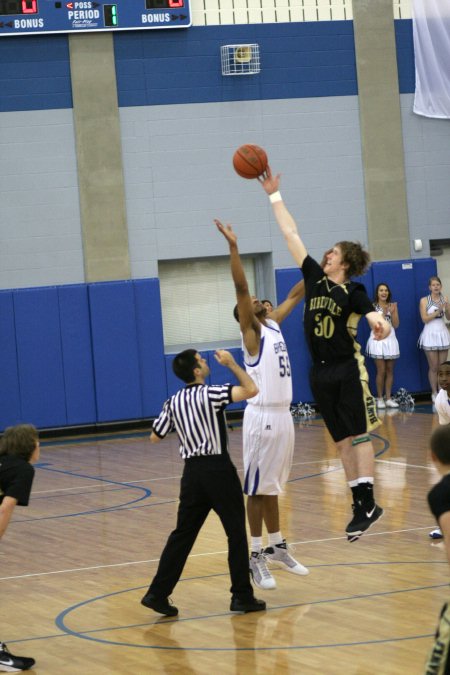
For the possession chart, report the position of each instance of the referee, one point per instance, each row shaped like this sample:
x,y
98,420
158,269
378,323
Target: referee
x,y
209,480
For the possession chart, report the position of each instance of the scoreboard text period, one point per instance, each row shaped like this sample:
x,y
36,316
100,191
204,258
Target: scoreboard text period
x,y
32,17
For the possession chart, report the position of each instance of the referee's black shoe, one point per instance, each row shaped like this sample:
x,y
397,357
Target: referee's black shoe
x,y
363,518
160,605
245,605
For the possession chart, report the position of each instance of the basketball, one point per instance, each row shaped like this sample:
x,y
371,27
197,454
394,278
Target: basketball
x,y
250,161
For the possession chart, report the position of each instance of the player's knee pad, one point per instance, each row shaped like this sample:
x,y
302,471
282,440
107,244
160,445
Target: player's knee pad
x,y
361,439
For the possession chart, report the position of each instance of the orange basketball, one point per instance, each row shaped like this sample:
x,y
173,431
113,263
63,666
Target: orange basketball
x,y
250,161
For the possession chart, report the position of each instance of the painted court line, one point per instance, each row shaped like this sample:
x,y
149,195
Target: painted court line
x,y
105,481
201,555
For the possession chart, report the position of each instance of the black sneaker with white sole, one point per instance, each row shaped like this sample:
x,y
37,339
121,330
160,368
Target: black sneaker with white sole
x,y
13,664
363,518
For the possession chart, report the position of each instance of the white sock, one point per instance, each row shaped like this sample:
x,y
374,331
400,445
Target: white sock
x,y
256,544
275,538
365,479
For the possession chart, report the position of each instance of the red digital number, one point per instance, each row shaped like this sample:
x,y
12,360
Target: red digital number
x,y
173,4
29,6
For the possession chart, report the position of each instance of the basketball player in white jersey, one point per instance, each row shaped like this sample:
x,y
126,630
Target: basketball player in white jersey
x,y
268,428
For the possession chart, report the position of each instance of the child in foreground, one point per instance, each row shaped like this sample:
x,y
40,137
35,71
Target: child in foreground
x,y
19,448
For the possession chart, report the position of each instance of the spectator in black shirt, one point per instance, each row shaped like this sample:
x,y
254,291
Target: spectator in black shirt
x,y
209,481
339,380
19,447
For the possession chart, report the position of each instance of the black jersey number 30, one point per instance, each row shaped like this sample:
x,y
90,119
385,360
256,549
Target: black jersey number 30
x,y
285,366
325,326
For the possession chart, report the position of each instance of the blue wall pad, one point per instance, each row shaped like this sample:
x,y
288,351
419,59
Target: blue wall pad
x,y
408,281
76,344
149,329
424,268
10,413
399,276
292,329
173,383
221,375
40,362
115,351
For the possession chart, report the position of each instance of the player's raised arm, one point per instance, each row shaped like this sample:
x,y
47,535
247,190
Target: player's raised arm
x,y
247,388
287,224
295,295
250,327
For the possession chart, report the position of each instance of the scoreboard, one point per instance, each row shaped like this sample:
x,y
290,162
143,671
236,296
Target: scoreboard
x,y
32,17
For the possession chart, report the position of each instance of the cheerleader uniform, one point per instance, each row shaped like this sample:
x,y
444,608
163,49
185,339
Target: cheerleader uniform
x,y
435,335
388,348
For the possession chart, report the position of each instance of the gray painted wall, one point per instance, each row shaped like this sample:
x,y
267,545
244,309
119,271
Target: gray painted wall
x,y
427,167
176,183
39,208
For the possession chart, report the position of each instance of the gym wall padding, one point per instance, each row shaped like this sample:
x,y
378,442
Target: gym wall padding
x,y
408,281
399,276
78,368
115,351
218,375
83,354
149,331
39,355
221,375
292,329
424,268
10,408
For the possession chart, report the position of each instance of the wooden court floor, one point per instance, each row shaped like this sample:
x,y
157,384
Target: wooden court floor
x,y
75,563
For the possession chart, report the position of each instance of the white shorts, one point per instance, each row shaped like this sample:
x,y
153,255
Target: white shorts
x,y
268,444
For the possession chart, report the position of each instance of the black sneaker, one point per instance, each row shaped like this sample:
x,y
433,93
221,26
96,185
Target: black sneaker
x,y
363,518
13,664
247,605
160,605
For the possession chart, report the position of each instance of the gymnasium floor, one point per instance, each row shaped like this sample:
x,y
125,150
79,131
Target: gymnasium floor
x,y
75,563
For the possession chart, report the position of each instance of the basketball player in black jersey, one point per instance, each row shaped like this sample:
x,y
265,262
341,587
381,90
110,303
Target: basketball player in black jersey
x,y
339,380
19,448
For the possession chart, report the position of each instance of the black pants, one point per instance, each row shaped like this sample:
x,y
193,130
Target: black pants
x,y
207,483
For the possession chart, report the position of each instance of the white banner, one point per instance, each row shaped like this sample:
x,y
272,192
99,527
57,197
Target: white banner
x,y
431,31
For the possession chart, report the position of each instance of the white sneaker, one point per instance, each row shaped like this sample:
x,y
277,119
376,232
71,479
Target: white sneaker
x,y
380,403
390,403
259,572
279,555
436,534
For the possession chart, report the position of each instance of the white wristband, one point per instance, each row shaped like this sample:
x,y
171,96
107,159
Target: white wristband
x,y
275,197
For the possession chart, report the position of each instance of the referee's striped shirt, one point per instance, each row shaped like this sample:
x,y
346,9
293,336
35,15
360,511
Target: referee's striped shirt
x,y
196,413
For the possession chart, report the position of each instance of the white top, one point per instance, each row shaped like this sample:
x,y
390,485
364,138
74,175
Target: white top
x,y
387,348
435,335
442,405
270,368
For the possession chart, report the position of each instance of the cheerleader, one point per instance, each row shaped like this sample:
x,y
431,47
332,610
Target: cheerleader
x,y
384,352
434,338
